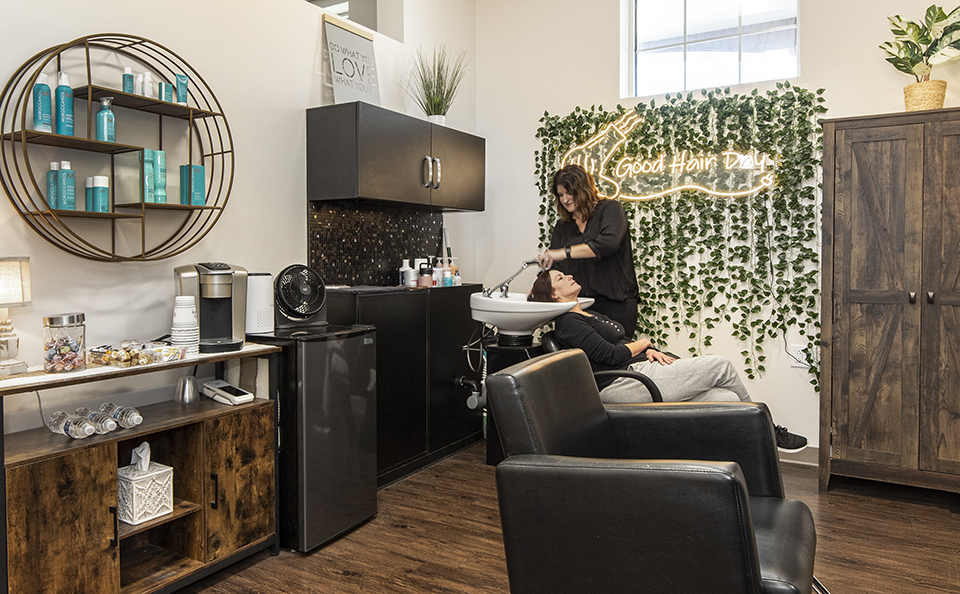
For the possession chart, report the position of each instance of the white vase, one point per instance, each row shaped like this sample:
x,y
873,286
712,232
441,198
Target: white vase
x,y
437,119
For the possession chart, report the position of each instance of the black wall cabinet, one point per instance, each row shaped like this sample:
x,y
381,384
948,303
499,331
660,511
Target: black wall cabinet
x,y
361,151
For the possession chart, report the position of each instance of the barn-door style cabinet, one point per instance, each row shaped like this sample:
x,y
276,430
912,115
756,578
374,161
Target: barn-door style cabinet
x,y
890,384
362,151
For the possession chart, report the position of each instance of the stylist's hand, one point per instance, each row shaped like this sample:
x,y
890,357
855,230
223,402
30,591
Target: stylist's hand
x,y
655,356
549,257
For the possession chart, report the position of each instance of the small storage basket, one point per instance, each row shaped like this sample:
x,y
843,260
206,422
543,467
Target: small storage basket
x,y
144,495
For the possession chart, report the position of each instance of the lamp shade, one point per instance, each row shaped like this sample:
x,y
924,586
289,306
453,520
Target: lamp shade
x,y
14,281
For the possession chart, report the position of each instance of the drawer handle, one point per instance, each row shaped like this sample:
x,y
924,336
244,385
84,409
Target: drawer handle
x,y
930,297
426,180
216,490
913,297
115,541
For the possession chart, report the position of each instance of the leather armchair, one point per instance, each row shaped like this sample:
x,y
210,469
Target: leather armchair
x,y
655,498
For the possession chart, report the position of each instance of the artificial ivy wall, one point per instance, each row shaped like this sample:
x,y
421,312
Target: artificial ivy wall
x,y
703,260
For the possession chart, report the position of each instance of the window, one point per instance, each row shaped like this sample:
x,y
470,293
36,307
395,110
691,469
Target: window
x,y
682,45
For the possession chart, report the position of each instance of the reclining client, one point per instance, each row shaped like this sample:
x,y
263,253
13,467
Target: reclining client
x,y
698,379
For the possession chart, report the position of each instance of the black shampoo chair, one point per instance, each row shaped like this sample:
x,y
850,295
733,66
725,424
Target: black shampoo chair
x,y
654,498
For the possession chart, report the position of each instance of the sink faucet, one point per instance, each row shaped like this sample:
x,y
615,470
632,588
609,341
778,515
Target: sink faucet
x,y
504,287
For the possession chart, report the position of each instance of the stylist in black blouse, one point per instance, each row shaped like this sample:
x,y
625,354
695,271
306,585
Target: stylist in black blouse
x,y
592,242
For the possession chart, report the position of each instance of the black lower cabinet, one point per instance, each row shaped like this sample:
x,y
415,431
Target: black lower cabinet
x,y
422,415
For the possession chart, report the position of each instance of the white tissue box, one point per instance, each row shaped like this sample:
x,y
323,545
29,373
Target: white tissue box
x,y
144,494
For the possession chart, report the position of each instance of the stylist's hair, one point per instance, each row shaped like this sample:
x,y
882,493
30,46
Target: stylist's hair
x,y
580,185
542,289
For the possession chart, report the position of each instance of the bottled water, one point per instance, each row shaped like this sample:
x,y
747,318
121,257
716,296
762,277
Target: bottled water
x,y
75,426
101,421
125,416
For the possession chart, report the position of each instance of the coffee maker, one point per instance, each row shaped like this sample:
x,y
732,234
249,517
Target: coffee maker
x,y
220,291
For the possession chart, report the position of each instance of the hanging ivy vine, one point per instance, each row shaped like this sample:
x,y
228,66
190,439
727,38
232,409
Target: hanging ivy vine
x,y
703,262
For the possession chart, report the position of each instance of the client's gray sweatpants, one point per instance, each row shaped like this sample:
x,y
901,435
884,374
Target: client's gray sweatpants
x,y
699,379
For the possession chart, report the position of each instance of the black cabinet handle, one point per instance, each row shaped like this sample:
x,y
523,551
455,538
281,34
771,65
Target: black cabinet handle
x,y
115,541
436,184
913,296
426,180
930,297
216,490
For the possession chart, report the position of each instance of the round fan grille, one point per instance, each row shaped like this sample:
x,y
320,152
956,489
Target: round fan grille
x,y
300,291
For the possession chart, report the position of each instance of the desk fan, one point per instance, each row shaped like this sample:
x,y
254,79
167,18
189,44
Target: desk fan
x,y
300,295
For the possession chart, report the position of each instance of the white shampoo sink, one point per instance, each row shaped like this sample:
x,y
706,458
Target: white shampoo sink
x,y
514,314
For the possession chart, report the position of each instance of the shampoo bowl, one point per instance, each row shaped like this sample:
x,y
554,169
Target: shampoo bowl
x,y
514,315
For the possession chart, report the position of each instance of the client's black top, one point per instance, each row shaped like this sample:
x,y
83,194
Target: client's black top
x,y
602,339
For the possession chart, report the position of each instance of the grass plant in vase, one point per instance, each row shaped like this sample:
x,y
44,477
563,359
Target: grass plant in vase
x,y
921,46
435,81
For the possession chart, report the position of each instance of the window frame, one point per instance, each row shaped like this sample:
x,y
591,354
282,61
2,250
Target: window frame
x,y
632,47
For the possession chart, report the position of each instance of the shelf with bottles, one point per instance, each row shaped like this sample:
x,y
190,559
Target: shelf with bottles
x,y
205,140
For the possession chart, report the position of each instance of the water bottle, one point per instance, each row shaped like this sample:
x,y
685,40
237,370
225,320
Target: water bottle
x,y
66,424
101,421
125,416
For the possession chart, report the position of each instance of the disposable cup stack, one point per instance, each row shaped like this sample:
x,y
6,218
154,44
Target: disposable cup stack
x,y
185,330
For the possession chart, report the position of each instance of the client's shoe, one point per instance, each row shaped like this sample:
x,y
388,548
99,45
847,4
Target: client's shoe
x,y
789,442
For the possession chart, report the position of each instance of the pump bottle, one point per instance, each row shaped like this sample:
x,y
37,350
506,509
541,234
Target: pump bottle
x,y
106,121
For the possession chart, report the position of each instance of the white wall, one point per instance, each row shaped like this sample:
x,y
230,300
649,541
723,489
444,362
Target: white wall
x,y
554,55
262,58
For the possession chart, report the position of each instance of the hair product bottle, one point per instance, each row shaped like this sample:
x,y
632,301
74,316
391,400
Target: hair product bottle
x,y
42,114
101,193
66,187
148,89
128,80
64,106
106,121
88,194
149,182
53,185
160,177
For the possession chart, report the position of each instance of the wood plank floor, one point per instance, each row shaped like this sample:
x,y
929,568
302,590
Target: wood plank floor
x,y
438,531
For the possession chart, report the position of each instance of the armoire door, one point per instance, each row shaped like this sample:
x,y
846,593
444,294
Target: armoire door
x,y
877,294
940,348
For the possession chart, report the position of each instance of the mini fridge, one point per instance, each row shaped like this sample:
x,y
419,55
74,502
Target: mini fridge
x,y
327,479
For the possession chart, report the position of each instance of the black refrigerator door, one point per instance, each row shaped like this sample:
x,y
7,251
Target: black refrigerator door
x,y
338,457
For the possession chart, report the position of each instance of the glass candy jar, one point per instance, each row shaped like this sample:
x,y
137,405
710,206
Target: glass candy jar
x,y
63,340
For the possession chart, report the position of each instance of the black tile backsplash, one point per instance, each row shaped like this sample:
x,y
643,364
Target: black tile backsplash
x,y
351,243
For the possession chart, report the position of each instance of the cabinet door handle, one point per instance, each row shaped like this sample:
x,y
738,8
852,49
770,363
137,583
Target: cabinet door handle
x,y
436,185
115,541
913,296
216,490
930,297
426,180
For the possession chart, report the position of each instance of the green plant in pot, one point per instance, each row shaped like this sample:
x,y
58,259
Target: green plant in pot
x,y
921,46
435,81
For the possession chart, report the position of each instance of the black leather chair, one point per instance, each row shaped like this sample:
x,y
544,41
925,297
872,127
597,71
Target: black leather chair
x,y
664,498
550,344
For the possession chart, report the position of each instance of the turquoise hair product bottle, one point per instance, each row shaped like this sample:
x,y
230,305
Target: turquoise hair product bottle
x,y
106,121
64,106
160,177
42,113
149,182
66,187
52,185
101,193
88,194
128,80
183,82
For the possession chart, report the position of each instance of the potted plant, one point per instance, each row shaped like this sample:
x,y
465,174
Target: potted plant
x,y
921,46
435,81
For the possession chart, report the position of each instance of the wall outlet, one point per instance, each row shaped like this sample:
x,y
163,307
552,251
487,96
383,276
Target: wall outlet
x,y
796,356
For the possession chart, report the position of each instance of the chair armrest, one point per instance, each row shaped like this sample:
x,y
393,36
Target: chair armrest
x,y
740,432
648,383
601,525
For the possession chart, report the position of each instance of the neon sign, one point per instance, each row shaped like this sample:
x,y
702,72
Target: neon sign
x,y
730,174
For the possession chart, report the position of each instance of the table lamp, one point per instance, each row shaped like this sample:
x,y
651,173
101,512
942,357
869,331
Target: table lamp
x,y
14,292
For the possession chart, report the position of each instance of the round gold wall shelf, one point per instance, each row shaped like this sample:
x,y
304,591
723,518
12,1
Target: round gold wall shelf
x,y
133,230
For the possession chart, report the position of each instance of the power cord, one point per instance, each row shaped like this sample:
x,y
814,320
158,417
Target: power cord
x,y
43,419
